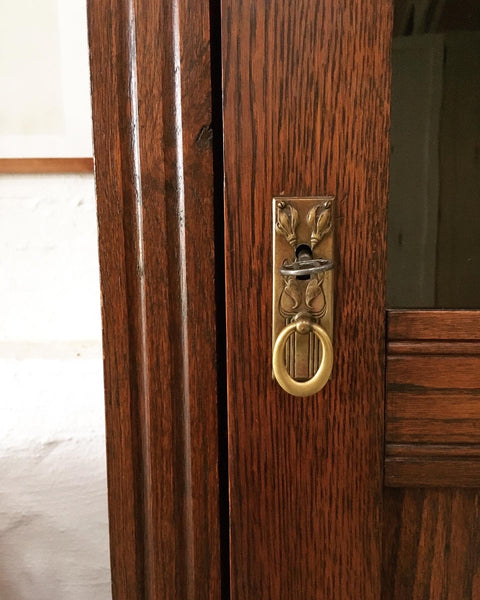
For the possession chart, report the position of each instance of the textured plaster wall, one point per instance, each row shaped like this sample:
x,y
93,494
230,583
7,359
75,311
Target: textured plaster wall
x,y
53,507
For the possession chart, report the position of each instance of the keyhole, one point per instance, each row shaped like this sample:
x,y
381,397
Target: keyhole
x,y
303,252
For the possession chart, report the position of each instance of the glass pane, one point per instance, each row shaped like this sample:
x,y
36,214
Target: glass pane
x,y
434,205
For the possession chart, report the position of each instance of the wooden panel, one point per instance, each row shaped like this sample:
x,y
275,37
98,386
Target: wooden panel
x,y
433,399
150,63
431,545
434,372
431,541
46,165
434,347
430,465
302,81
432,418
457,325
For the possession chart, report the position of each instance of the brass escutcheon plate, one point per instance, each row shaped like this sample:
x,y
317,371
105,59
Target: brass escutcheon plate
x,y
303,222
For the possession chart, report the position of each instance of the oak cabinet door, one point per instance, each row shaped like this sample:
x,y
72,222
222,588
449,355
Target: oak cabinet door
x,y
306,113
222,485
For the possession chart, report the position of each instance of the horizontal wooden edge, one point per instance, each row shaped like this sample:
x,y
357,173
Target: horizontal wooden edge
x,y
435,324
433,347
431,431
410,465
46,165
442,473
412,451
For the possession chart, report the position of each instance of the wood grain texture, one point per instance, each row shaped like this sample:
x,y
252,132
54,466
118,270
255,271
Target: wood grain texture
x,y
431,544
431,540
439,371
416,325
410,465
150,63
451,347
432,417
432,414
306,111
46,165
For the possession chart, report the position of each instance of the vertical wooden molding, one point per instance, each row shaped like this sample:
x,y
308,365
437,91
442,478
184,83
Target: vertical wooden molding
x,y
150,64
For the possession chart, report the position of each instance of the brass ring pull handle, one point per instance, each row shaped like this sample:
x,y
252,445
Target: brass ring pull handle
x,y
318,381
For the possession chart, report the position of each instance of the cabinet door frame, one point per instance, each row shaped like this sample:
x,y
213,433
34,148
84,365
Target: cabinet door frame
x,y
152,114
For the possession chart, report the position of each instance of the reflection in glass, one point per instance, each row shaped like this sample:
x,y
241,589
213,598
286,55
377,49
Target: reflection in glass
x,y
434,205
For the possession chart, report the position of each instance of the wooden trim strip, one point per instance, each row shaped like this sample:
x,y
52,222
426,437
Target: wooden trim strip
x,y
416,451
154,181
432,465
46,165
434,347
405,473
433,325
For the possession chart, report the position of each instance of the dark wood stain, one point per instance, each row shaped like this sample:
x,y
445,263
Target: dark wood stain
x,y
431,519
150,64
416,325
433,399
306,111
306,105
432,466
431,544
434,347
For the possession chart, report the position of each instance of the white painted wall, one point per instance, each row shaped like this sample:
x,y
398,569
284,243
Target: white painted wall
x,y
53,507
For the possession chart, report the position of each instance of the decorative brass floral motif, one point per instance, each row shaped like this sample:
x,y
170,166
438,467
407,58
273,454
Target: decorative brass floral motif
x,y
314,291
320,220
290,298
303,295
286,225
